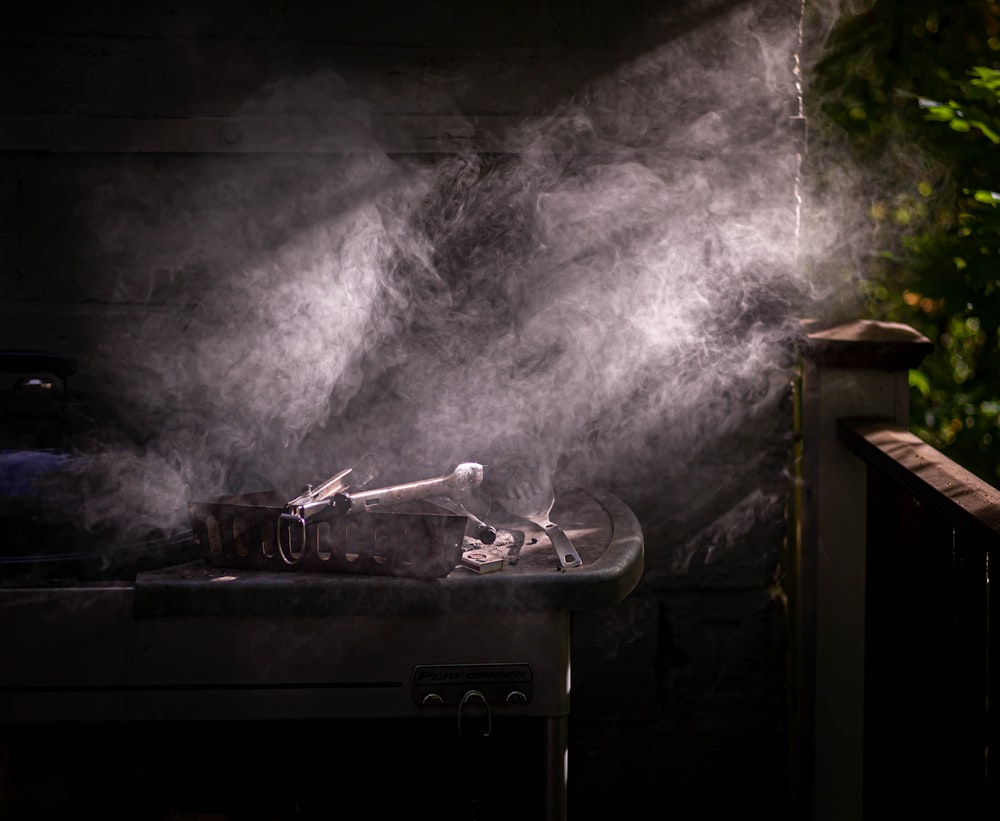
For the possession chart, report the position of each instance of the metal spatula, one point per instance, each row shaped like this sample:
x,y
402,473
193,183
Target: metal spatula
x,y
533,504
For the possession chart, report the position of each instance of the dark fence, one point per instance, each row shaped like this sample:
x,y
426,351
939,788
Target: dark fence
x,y
931,528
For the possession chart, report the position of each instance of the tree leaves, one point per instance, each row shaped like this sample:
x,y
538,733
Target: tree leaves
x,y
914,86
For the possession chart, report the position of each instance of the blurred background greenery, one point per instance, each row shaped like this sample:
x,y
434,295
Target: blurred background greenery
x,y
903,106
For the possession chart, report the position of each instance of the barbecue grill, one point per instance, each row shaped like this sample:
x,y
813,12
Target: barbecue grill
x,y
220,683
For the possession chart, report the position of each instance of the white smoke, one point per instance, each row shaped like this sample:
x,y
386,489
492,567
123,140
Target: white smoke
x,y
610,298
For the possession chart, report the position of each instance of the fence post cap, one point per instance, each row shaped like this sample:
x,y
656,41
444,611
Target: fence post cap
x,y
865,343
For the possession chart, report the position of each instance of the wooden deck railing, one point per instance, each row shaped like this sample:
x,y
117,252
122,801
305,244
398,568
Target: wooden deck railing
x,y
892,679
931,527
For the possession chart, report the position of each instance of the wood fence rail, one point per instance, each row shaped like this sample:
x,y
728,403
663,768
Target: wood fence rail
x,y
930,527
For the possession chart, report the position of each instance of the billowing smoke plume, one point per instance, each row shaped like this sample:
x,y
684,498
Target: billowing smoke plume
x,y
609,299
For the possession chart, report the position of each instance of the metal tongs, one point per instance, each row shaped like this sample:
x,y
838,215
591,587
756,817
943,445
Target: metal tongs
x,y
332,499
315,499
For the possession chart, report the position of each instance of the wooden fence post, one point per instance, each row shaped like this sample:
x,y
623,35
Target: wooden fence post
x,y
858,368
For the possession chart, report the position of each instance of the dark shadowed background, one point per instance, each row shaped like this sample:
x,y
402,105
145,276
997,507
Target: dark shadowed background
x,y
278,235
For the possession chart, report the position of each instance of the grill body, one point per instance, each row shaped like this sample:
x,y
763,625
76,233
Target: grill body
x,y
423,684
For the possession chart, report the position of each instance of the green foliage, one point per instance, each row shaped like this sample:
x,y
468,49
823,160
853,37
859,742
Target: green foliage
x,y
914,88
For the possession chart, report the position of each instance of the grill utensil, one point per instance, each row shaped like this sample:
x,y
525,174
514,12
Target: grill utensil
x,y
318,498
323,529
465,478
531,503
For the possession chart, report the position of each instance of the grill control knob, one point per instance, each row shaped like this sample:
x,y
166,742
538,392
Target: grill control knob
x,y
516,697
432,698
